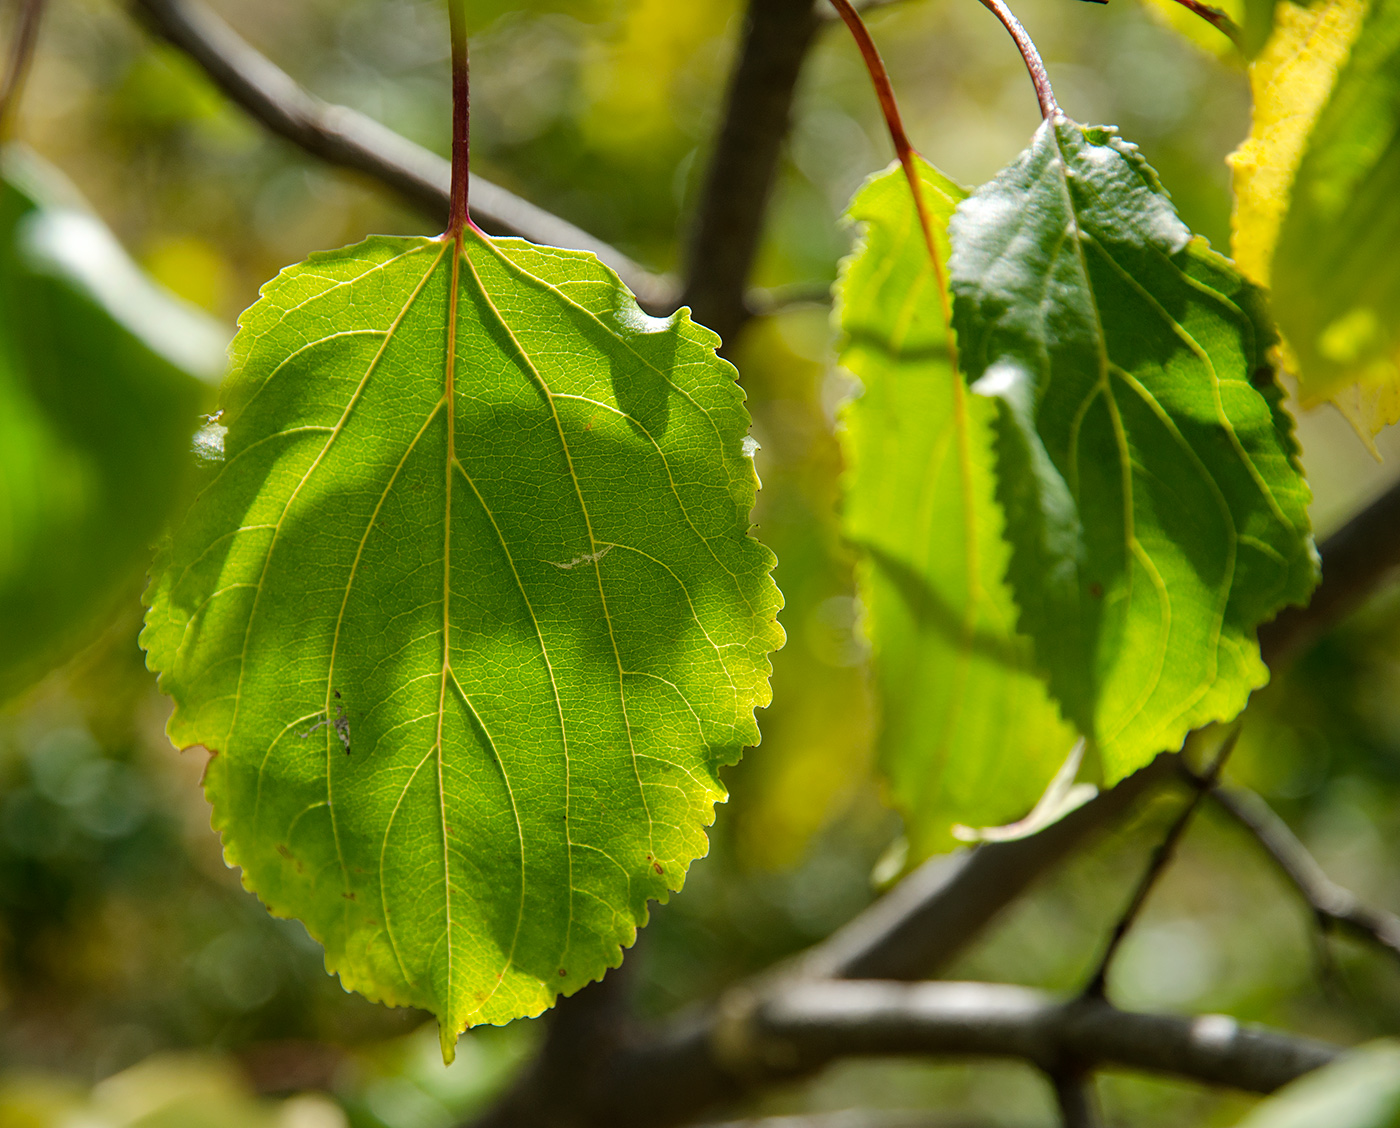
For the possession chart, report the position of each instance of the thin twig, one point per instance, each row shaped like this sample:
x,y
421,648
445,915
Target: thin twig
x,y
1076,1098
724,235
1356,560
1334,907
832,17
668,1077
348,139
1161,859
809,1024
1216,18
1049,108
26,36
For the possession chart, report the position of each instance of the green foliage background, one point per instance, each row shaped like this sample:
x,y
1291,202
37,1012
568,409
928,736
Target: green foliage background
x,y
123,936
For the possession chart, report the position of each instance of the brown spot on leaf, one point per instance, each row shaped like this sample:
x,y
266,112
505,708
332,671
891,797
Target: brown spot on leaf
x,y
1096,590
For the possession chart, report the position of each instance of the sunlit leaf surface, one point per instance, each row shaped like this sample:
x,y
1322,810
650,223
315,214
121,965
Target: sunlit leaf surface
x,y
1155,508
968,732
470,616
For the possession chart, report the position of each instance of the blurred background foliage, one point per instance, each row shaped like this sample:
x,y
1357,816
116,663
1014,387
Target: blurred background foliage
x,y
139,984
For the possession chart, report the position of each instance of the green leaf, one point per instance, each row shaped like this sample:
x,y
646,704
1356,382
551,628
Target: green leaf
x,y
968,734
1343,225
100,385
1359,1090
470,617
1155,507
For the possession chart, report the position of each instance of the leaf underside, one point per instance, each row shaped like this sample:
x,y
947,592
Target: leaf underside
x,y
470,616
100,385
1155,507
968,733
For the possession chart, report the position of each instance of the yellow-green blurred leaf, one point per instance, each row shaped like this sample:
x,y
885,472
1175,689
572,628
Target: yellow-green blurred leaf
x,y
1318,202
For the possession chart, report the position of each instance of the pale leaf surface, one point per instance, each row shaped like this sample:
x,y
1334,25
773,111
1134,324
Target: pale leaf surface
x,y
1155,508
470,616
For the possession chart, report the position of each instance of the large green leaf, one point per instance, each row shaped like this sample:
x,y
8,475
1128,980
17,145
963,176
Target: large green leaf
x,y
1359,1090
470,617
100,385
968,732
1155,507
1335,278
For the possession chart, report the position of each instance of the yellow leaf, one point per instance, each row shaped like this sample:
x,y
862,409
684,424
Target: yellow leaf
x,y
1292,80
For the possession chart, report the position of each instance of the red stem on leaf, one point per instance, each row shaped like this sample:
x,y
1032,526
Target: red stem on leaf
x,y
1216,18
458,219
1049,108
884,90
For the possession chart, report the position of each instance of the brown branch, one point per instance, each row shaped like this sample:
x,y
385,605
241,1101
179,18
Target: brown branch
x,y
348,139
810,1024
1076,1097
930,917
668,1077
1334,907
1161,858
725,234
26,36
1356,560
1217,19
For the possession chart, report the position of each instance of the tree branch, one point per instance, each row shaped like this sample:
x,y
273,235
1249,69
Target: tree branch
x,y
1076,1097
28,16
811,1024
1356,560
1333,906
725,235
930,917
348,139
1161,859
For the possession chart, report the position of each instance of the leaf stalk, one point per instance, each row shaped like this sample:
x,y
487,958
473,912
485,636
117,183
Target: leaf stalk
x,y
1045,94
458,217
884,91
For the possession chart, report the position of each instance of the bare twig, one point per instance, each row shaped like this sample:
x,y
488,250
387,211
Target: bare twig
x,y
1356,560
1076,1098
1334,907
725,234
668,1077
1215,17
348,139
1161,859
26,35
813,1023
832,17
930,917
